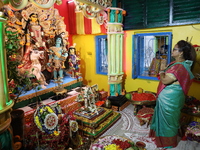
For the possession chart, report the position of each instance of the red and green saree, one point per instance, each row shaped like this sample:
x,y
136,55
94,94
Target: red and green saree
x,y
170,100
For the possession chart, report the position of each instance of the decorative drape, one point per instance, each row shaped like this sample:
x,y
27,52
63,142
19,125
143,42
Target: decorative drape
x,y
87,25
71,18
78,24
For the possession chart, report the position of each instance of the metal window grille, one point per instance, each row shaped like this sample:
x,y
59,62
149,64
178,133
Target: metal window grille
x,y
101,55
148,48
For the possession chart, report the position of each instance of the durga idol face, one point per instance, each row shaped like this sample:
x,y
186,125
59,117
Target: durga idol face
x,y
34,18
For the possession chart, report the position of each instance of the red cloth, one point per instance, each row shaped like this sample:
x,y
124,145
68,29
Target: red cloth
x,y
87,22
72,18
87,26
163,141
103,28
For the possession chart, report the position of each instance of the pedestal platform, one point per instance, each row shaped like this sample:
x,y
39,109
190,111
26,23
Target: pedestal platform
x,y
118,102
99,123
32,96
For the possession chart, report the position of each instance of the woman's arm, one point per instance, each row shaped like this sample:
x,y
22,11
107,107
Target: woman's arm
x,y
167,78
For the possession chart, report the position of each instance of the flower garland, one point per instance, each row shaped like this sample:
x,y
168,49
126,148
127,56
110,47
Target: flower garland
x,y
113,143
46,120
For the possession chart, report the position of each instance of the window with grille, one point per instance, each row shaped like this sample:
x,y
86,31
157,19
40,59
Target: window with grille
x,y
101,54
149,50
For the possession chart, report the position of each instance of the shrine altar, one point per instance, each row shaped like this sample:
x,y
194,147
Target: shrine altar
x,y
99,123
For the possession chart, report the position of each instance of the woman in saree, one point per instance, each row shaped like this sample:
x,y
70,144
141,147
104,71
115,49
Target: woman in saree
x,y
175,81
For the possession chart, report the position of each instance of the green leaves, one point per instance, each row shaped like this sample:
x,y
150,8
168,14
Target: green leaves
x,y
13,47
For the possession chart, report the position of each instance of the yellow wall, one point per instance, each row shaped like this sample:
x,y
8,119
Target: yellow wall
x,y
86,44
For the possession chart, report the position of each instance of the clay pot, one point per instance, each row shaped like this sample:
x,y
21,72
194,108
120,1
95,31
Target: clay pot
x,y
140,144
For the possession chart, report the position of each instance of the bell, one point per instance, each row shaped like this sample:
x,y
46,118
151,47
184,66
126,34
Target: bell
x,y
107,103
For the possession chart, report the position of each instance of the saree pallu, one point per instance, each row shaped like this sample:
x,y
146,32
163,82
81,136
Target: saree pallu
x,y
165,121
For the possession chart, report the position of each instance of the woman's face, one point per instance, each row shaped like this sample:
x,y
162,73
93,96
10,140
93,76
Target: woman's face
x,y
175,52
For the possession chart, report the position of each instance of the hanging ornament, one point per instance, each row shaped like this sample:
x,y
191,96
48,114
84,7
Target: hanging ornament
x,y
45,119
43,5
18,4
58,2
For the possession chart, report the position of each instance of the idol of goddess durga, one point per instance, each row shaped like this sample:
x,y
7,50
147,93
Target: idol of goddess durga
x,y
34,34
34,31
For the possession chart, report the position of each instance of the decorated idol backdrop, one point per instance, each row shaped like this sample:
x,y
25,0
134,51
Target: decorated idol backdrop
x,y
37,44
35,41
